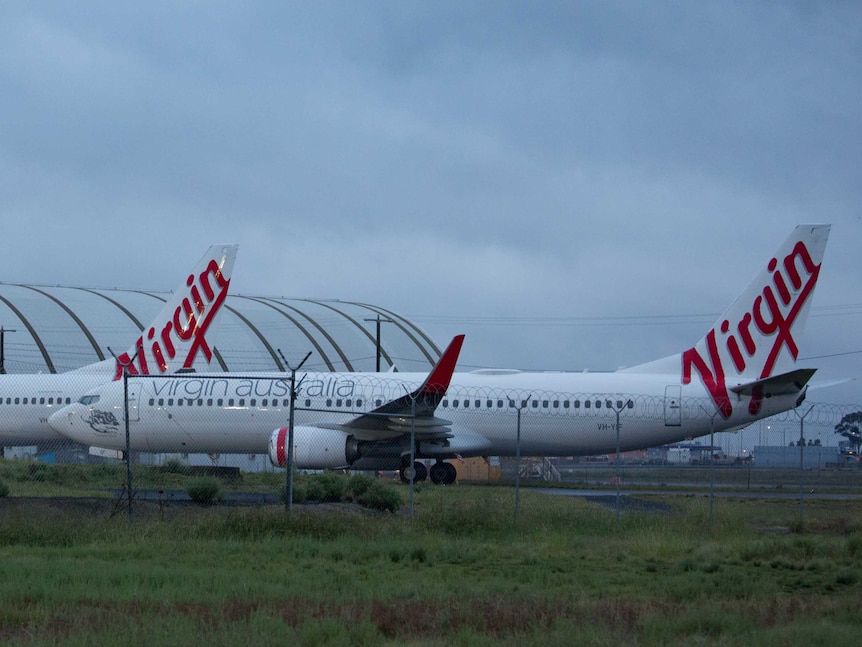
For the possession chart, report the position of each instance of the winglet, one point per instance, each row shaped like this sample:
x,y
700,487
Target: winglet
x,y
438,380
426,397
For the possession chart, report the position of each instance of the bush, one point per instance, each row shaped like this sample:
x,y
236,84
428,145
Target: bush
x,y
381,497
204,490
4,489
359,484
326,488
174,466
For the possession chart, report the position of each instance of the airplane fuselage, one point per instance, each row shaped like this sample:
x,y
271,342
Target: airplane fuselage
x,y
561,413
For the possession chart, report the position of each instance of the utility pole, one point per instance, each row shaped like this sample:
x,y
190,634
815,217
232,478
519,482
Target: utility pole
x,y
379,321
3,332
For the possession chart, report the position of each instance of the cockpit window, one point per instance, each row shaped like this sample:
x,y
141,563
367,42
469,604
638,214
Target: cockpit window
x,y
89,399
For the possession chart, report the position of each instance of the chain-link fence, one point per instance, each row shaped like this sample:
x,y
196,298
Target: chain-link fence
x,y
227,427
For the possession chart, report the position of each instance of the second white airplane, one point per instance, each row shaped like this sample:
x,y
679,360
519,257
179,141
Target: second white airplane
x,y
175,340
742,370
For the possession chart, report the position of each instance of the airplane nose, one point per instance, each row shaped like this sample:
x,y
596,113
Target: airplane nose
x,y
63,422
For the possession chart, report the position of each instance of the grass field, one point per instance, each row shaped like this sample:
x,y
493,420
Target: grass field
x,y
463,571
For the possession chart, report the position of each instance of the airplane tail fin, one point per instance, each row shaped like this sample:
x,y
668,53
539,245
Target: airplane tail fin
x,y
756,338
178,335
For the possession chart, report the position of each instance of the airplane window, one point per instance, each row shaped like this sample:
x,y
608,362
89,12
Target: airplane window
x,y
544,404
587,404
25,401
17,400
565,404
50,400
253,402
478,404
179,402
170,402
499,404
152,401
230,402
466,404
219,402
68,400
41,400
89,399
338,402
535,404
630,404
307,402
378,403
598,404
209,402
445,404
358,402
556,404
242,402
264,402
454,404
328,402
200,402
348,401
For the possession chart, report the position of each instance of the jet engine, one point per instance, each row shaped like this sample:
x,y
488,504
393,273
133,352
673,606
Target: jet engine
x,y
314,448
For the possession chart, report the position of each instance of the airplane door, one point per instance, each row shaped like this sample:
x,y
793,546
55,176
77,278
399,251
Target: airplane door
x,y
134,388
673,405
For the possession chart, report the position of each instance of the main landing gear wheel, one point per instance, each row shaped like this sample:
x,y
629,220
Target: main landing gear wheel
x,y
443,473
416,473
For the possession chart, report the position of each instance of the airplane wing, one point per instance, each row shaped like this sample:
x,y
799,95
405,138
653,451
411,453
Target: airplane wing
x,y
394,417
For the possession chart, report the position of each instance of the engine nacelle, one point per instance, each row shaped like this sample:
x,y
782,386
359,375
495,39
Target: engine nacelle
x,y
314,448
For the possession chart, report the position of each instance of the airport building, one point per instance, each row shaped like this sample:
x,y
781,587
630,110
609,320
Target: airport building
x,y
53,329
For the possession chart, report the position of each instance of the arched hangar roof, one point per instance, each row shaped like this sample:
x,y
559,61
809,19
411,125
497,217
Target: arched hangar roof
x,y
60,328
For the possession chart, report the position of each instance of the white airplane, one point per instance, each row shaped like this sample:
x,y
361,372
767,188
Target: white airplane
x,y
175,339
742,370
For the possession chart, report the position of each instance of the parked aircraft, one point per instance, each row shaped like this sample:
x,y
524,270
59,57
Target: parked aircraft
x,y
742,370
172,342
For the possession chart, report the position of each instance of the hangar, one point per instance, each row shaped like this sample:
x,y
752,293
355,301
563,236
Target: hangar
x,y
53,329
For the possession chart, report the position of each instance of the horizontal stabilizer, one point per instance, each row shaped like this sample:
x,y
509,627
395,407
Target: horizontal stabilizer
x,y
784,384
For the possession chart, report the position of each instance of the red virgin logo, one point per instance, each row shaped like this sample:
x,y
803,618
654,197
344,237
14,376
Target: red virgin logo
x,y
186,331
760,334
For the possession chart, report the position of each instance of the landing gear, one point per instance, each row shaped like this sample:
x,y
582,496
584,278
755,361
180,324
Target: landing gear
x,y
417,473
443,473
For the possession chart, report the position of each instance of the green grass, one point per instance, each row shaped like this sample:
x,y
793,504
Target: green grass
x,y
463,571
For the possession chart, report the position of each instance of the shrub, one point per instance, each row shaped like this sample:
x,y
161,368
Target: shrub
x,y
325,488
359,484
174,466
4,489
381,497
204,490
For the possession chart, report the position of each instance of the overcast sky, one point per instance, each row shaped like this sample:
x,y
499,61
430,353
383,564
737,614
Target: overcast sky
x,y
571,184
